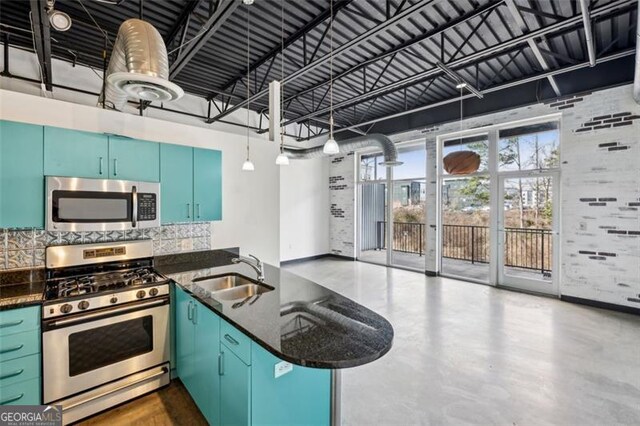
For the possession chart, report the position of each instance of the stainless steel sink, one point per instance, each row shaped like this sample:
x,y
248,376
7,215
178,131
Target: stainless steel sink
x,y
225,282
231,287
241,292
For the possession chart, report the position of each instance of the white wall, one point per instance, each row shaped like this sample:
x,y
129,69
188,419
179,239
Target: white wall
x,y
304,209
251,202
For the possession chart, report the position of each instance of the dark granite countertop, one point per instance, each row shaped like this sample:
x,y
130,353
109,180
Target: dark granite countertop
x,y
21,288
299,321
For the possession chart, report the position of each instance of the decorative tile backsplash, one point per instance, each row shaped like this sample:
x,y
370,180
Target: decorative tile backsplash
x,y
24,248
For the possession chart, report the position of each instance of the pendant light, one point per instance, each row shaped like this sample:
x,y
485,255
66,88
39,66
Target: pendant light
x,y
465,161
248,166
331,146
282,159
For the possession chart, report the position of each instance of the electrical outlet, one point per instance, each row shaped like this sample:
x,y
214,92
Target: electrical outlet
x,y
186,244
282,368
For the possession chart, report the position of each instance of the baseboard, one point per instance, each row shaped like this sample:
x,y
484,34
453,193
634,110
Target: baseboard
x,y
316,257
304,259
602,305
431,273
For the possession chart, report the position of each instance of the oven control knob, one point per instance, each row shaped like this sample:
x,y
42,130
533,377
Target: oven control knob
x,y
83,305
66,308
140,294
113,299
153,292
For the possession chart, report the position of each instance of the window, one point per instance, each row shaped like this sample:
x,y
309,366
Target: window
x,y
530,147
371,169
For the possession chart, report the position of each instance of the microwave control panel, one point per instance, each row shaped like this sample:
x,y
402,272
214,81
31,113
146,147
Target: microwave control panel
x,y
147,206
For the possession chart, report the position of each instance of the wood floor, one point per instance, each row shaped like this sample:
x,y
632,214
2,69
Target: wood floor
x,y
168,406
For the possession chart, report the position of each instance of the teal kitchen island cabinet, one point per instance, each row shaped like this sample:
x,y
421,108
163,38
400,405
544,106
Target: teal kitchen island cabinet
x,y
21,175
197,351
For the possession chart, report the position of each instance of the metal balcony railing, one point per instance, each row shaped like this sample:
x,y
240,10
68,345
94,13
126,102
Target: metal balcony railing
x,y
527,248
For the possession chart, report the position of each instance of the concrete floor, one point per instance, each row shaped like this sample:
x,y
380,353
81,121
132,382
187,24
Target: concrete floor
x,y
471,354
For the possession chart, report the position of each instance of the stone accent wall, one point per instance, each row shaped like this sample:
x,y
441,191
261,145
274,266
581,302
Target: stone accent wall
x,y
600,192
25,248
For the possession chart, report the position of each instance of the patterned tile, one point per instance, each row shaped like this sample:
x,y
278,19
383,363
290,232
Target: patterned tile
x,y
46,238
183,230
134,234
93,237
152,233
201,243
67,238
3,243
20,239
38,257
168,246
157,249
114,235
19,259
168,232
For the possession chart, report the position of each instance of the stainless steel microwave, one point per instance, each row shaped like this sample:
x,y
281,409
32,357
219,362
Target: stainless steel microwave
x,y
80,204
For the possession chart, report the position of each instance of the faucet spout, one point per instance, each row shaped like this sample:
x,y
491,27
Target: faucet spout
x,y
254,263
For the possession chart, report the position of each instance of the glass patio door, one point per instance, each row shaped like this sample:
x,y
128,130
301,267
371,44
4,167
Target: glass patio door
x,y
527,232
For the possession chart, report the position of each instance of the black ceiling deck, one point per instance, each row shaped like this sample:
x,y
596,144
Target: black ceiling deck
x,y
391,70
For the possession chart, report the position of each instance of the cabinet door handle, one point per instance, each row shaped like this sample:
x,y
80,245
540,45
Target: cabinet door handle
x,y
12,374
189,210
11,349
231,340
11,399
198,210
195,313
101,161
189,311
11,324
115,167
221,364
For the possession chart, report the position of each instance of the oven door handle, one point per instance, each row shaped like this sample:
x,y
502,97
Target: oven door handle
x,y
134,201
99,315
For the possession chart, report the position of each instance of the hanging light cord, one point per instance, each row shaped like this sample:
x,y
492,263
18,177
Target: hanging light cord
x,y
248,75
282,77
331,74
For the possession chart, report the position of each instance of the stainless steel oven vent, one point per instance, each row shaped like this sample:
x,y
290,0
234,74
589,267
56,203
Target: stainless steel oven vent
x,y
138,67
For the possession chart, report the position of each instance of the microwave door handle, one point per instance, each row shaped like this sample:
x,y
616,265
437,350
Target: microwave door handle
x,y
134,200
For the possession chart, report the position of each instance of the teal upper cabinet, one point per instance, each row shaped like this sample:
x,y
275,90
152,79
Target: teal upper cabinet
x,y
300,396
134,159
176,183
21,175
75,154
207,184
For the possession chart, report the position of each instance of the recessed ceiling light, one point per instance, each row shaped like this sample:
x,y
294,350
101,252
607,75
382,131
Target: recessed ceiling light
x,y
461,85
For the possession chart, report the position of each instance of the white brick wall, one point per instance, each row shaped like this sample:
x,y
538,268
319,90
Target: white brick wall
x,y
589,170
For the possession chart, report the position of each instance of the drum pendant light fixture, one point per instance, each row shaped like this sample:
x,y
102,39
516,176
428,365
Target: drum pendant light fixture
x,y
465,161
331,146
282,159
248,166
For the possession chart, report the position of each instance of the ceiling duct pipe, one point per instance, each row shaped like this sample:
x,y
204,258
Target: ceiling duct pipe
x,y
138,67
389,150
636,80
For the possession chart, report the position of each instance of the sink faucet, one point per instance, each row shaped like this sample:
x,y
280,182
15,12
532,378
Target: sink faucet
x,y
257,265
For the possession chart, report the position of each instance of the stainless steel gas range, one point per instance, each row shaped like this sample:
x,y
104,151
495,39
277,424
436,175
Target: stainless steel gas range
x,y
105,326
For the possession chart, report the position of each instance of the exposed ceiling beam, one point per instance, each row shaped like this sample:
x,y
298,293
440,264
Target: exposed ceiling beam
x,y
275,51
367,35
42,39
482,55
406,45
224,10
500,87
182,20
461,82
515,13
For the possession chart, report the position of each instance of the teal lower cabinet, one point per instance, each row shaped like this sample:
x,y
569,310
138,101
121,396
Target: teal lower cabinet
x,y
20,359
234,381
235,389
301,396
